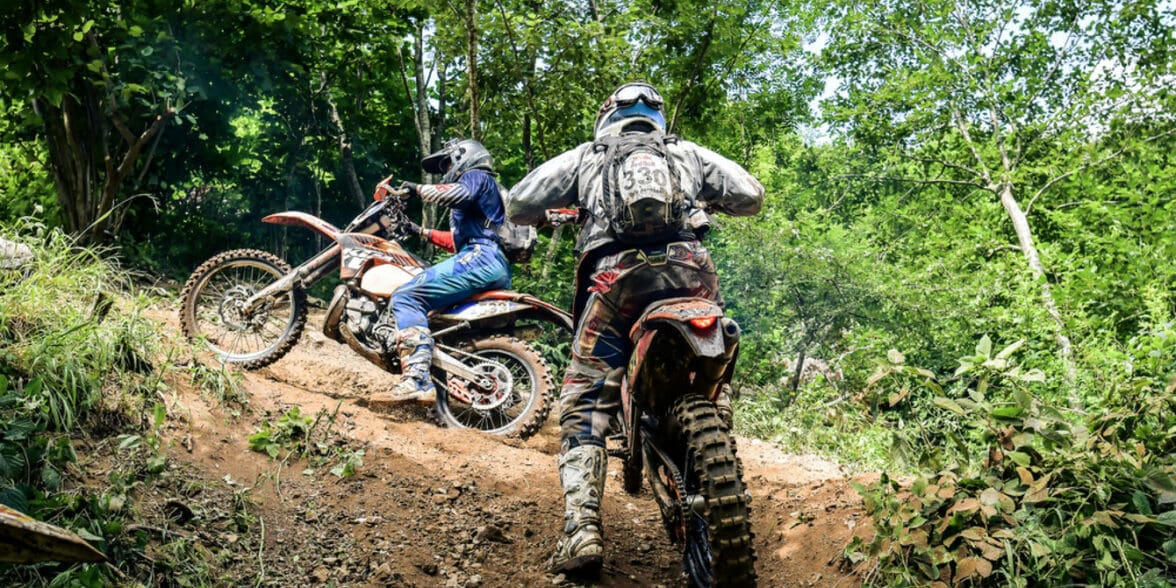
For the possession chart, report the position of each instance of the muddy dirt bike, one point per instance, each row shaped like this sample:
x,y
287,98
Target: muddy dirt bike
x,y
672,433
250,308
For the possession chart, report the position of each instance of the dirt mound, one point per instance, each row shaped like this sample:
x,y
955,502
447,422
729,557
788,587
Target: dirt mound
x,y
444,507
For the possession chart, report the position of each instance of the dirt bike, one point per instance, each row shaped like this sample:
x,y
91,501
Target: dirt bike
x,y
672,433
250,307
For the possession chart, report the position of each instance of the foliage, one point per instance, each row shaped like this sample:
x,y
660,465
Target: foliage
x,y
1041,498
299,436
75,370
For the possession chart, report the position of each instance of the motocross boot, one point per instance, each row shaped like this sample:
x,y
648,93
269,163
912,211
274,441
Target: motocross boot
x,y
581,550
415,346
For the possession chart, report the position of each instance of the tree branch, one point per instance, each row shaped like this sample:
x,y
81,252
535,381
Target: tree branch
x,y
871,177
1088,165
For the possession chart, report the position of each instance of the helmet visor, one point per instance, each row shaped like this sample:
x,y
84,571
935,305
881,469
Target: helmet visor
x,y
636,110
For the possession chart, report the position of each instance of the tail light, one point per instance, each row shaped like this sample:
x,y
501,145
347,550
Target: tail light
x,y
703,323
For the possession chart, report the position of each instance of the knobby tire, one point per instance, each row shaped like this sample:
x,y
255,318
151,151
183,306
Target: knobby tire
x,y
199,281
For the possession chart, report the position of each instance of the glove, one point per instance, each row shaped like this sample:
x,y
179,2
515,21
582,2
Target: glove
x,y
412,228
410,188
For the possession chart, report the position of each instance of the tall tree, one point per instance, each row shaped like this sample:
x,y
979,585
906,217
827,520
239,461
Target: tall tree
x,y
979,94
103,78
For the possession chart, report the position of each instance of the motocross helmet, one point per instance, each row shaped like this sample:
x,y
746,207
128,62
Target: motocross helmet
x,y
457,157
635,106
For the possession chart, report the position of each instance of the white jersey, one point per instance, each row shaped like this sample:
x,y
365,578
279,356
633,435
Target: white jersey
x,y
573,178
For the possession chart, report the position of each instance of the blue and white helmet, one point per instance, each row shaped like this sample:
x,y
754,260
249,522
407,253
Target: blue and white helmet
x,y
457,157
635,106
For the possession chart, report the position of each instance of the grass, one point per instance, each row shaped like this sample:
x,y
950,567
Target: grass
x,y
82,376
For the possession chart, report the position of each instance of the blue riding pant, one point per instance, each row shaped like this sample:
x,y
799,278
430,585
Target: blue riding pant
x,y
477,267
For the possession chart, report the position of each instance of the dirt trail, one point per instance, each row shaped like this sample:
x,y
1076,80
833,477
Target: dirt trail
x,y
454,508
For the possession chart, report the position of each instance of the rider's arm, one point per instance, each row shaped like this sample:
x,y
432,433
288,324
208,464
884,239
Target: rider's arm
x,y
442,239
456,195
726,186
551,185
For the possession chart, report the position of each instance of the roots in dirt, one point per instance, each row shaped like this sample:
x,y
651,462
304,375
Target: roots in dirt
x,y
718,542
212,307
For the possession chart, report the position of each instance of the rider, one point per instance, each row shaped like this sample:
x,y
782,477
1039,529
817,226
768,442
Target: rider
x,y
472,193
616,280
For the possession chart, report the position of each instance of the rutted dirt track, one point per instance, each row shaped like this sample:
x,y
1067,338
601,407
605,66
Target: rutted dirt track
x,y
444,507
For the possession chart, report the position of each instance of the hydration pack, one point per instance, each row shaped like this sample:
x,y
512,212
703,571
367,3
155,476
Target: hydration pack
x,y
518,241
642,197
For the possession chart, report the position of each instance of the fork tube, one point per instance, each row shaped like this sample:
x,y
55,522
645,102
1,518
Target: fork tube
x,y
311,271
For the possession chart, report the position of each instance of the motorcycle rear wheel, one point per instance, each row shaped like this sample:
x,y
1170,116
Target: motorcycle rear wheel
x,y
211,301
717,543
525,411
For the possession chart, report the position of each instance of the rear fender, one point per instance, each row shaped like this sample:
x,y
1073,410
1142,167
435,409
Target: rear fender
x,y
700,322
302,219
477,310
673,356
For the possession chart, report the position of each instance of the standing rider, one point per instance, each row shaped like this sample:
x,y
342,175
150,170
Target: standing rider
x,y
629,258
470,190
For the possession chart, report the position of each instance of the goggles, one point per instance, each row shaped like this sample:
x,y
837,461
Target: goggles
x,y
631,94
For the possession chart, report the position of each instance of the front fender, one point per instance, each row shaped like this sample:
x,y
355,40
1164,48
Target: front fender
x,y
302,219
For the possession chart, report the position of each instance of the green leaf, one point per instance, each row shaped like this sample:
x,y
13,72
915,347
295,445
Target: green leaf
x,y
50,477
128,442
1007,412
1010,350
1021,459
87,535
1167,518
948,404
1140,501
984,347
895,356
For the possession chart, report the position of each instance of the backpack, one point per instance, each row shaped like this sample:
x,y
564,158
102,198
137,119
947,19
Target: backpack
x,y
642,197
518,241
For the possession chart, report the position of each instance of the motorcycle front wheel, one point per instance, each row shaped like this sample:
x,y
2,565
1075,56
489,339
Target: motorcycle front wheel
x,y
526,402
716,534
212,308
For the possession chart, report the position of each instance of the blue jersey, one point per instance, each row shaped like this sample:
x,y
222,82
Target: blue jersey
x,y
482,214
475,204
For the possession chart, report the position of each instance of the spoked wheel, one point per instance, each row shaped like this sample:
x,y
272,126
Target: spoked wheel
x,y
213,307
715,527
520,400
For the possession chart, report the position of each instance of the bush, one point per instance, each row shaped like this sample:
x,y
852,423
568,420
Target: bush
x,y
1041,496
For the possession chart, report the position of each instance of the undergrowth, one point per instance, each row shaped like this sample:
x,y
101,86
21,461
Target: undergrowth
x,y
1016,490
83,389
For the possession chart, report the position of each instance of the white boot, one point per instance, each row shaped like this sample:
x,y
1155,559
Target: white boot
x,y
581,550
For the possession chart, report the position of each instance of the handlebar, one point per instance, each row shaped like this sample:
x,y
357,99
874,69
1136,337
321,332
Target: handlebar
x,y
562,216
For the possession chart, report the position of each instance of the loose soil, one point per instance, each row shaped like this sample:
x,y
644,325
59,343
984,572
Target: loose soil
x,y
455,508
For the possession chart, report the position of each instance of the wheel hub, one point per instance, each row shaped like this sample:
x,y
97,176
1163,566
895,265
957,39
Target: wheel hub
x,y
232,310
501,383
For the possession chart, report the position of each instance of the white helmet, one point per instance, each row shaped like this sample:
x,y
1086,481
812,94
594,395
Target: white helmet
x,y
635,106
457,157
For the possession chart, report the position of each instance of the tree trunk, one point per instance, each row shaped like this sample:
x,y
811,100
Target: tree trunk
x,y
1029,249
88,171
472,65
352,178
794,385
